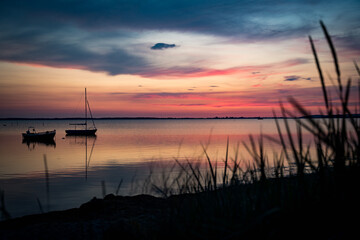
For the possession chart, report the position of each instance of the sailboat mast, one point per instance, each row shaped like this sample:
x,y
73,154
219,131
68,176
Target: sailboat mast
x,y
85,111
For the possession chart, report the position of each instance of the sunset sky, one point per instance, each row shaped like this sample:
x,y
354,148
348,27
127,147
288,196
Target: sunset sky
x,y
169,58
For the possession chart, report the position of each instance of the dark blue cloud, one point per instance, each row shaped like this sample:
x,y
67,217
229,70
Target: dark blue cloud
x,y
161,46
292,78
296,78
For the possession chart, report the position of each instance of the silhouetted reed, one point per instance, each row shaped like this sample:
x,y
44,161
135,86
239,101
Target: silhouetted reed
x,y
47,181
103,188
47,189
118,187
4,213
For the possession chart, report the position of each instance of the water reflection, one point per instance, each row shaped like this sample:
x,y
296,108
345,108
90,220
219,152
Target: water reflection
x,y
83,140
31,143
69,189
124,149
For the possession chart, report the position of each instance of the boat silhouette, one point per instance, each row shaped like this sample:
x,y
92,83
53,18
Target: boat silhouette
x,y
86,131
32,135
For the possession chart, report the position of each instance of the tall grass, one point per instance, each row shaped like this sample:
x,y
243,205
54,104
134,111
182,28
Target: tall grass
x,y
249,194
335,139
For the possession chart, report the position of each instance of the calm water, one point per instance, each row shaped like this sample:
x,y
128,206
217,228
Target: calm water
x,y
122,149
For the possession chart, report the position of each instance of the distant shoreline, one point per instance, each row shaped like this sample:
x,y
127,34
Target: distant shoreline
x,y
181,118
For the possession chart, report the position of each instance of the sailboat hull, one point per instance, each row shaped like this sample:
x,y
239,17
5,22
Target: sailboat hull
x,y
81,132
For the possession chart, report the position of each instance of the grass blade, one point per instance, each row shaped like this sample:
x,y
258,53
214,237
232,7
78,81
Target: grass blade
x,y
320,73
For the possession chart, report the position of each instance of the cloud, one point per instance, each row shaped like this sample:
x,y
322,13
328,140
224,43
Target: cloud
x,y
161,46
42,46
349,41
253,97
191,72
62,33
296,78
292,78
237,17
167,95
251,20
184,105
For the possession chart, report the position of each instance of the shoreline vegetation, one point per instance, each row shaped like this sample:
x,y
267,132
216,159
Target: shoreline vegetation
x,y
296,193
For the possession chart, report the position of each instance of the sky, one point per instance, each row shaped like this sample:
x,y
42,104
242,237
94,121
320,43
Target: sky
x,y
170,58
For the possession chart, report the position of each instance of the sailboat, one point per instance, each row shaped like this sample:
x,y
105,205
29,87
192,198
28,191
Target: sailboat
x,y
87,131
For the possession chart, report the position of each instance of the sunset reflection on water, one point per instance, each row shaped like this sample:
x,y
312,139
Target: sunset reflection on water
x,y
122,149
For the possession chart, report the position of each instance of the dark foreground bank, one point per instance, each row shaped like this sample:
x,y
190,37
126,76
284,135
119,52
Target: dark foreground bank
x,y
281,208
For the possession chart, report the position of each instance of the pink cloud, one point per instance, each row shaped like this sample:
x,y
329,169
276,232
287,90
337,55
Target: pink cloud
x,y
191,72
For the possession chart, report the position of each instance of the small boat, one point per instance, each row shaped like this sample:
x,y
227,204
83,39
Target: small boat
x,y
32,135
86,131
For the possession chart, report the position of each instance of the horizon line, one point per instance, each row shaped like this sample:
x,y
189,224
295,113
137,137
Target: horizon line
x,y
134,118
